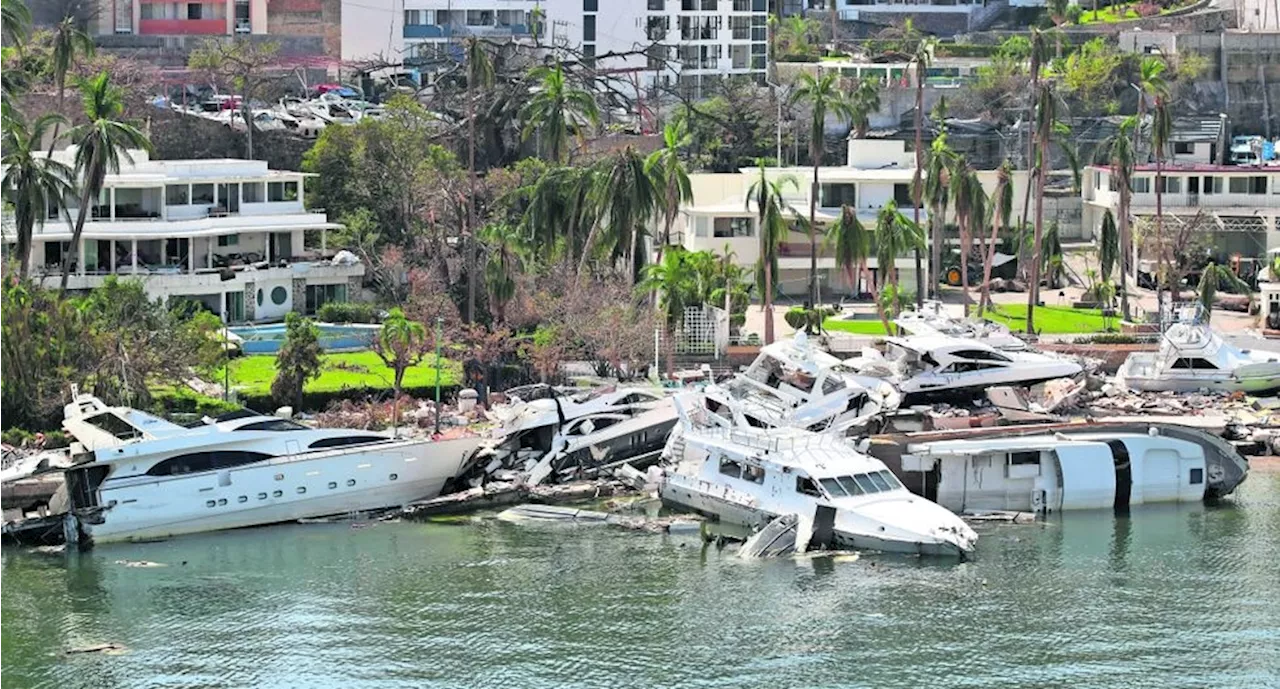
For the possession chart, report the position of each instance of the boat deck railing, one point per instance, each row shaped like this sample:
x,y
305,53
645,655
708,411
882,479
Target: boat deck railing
x,y
760,441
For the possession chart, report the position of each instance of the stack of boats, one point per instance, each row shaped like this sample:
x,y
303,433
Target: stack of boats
x,y
303,116
799,435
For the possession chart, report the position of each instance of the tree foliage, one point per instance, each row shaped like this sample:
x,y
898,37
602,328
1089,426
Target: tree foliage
x,y
298,361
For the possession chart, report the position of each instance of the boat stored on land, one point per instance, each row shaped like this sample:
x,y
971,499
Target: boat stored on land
x,y
1193,357
141,477
931,319
936,367
751,476
793,383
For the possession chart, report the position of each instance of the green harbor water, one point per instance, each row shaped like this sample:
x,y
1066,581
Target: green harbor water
x,y
1183,596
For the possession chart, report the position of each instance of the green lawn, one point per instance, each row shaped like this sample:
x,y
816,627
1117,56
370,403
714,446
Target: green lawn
x,y
1052,320
1107,15
860,327
252,375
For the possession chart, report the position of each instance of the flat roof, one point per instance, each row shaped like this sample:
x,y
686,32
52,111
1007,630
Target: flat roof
x,y
1173,168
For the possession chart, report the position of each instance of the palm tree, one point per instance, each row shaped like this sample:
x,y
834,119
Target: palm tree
x,y
479,76
70,44
852,243
401,343
971,211
1151,81
15,18
863,101
101,143
772,227
675,282
1045,108
895,235
1213,278
1161,131
922,57
793,36
1039,56
1108,246
1001,212
33,182
823,95
669,174
559,211
937,179
507,257
626,199
1122,158
556,111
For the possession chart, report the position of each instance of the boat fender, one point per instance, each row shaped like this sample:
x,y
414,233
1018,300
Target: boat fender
x,y
1153,431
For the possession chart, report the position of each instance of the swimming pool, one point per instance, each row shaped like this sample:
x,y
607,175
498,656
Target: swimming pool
x,y
267,339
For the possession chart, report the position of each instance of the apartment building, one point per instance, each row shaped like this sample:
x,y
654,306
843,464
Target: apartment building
x,y
1238,206
943,17
232,235
721,218
202,18
689,43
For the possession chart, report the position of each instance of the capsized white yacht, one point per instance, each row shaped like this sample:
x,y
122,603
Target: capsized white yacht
x,y
934,367
751,476
139,477
931,319
1192,356
1050,469
793,383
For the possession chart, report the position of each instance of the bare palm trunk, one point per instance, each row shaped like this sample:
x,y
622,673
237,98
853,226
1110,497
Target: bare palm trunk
x,y
471,205
670,351
89,191
984,299
1125,252
57,126
935,251
915,195
965,245
813,234
1161,273
248,124
768,300
1033,289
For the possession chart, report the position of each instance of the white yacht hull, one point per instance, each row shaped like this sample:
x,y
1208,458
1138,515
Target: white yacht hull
x,y
733,509
308,485
1136,373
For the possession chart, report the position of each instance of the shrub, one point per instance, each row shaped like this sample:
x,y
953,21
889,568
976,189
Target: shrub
x,y
53,440
796,317
1147,9
1113,338
183,400
1073,13
348,312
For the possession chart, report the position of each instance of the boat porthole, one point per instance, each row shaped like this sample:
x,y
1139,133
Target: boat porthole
x,y
209,503
351,482
279,477
395,476
882,528
243,498
333,484
262,496
222,501
301,490
277,493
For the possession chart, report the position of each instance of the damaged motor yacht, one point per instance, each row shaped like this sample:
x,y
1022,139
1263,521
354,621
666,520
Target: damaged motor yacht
x,y
140,477
935,367
1055,467
1192,356
931,319
793,383
751,476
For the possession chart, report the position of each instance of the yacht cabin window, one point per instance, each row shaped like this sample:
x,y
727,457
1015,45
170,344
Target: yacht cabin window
x,y
196,462
345,440
967,367
1194,364
114,425
728,467
752,474
806,486
980,355
273,425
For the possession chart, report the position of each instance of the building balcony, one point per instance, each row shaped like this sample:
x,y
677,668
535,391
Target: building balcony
x,y
1183,202
178,280
182,27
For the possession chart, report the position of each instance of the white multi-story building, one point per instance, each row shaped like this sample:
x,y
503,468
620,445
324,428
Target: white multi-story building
x,y
934,16
720,217
230,234
685,42
1238,206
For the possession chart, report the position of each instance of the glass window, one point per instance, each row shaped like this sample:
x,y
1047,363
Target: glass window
x,y
229,240
202,194
1032,457
195,462
279,295
805,485
752,474
733,227
834,489
345,440
851,486
880,483
1141,185
590,5
1238,185
890,479
1194,364
728,467
176,194
252,192
980,355
1169,185
282,191
1258,184
1197,476
273,425
835,195
865,484
902,196
589,27
657,5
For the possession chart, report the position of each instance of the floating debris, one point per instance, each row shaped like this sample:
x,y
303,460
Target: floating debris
x,y
140,563
107,648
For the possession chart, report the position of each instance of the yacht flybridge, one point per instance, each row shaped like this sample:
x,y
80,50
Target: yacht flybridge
x,y
932,367
751,476
139,477
1192,356
793,383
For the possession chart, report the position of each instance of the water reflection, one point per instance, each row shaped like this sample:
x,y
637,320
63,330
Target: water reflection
x,y
1080,599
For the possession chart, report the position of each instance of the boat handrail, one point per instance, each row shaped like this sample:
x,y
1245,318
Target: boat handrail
x,y
760,441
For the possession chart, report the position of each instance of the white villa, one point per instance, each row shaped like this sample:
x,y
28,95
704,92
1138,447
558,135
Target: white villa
x,y
1239,206
230,234
878,171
